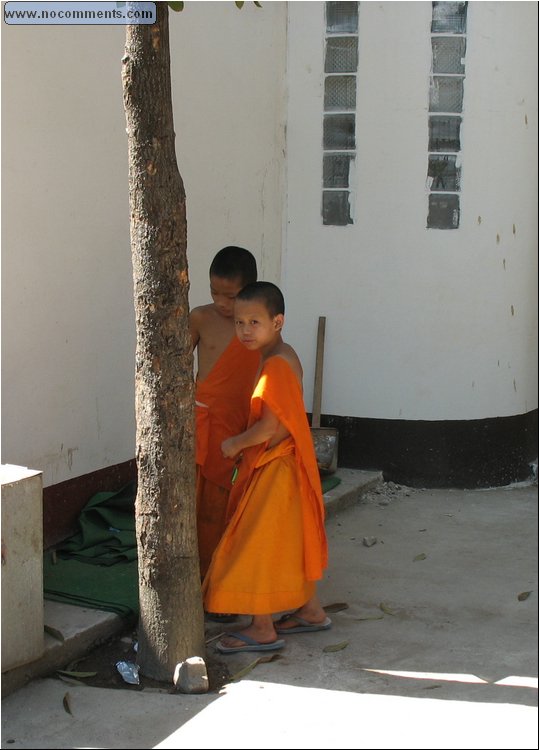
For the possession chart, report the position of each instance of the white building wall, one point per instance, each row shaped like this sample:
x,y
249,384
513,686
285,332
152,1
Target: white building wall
x,y
67,310
68,334
229,88
421,324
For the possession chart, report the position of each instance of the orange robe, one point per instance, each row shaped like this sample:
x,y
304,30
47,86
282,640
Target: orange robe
x,y
274,547
222,410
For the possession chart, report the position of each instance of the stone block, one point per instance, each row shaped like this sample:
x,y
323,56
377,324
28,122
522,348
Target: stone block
x,y
22,565
191,676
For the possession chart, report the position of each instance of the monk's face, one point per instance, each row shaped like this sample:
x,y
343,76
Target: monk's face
x,y
255,327
224,292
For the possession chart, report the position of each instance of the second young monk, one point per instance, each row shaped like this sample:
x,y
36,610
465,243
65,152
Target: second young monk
x,y
274,548
224,383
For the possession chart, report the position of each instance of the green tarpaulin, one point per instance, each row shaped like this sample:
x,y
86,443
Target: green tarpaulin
x,y
97,566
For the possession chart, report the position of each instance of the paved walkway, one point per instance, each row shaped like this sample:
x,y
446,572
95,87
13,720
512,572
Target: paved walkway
x,y
434,649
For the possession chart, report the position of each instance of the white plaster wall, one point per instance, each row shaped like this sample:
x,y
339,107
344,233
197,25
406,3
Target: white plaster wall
x,y
229,87
421,324
67,310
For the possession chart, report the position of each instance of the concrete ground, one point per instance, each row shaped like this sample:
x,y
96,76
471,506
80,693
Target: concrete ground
x,y
432,647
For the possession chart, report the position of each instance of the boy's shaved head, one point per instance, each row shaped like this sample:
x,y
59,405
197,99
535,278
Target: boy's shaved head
x,y
234,262
266,293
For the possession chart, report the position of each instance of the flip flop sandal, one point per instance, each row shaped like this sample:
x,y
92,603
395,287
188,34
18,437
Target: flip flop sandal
x,y
250,644
303,626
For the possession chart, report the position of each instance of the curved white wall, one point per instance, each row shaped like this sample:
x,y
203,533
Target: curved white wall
x,y
421,324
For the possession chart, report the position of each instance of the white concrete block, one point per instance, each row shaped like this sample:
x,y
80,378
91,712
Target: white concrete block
x,y
22,565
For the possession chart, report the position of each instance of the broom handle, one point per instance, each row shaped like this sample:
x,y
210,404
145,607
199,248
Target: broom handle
x,y
318,372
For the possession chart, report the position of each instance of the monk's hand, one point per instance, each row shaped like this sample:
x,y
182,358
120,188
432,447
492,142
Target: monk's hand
x,y
230,448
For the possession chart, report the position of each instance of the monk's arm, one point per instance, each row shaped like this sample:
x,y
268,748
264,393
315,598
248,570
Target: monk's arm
x,y
260,432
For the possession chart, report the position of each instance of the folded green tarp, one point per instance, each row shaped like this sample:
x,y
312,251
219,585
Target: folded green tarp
x,y
106,529
113,588
97,566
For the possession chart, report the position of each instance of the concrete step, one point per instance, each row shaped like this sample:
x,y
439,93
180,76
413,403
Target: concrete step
x,y
80,629
77,631
354,484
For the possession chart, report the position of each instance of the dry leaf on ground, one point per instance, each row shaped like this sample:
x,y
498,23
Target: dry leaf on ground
x,y
370,617
337,607
54,632
67,703
253,664
335,647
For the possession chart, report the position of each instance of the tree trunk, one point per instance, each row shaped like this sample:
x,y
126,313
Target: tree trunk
x,y
171,626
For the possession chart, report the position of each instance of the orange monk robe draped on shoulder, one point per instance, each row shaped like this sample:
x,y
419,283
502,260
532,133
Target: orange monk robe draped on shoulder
x,y
274,547
222,410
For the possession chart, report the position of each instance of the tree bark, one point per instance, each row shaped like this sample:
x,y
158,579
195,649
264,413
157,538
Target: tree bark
x,y
171,626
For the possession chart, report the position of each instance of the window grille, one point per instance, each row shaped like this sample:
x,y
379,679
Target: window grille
x,y
446,94
339,118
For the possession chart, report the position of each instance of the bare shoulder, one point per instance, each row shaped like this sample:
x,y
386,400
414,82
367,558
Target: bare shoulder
x,y
289,355
201,317
201,313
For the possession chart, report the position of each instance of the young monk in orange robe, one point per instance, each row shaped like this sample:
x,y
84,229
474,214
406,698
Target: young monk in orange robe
x,y
224,383
274,548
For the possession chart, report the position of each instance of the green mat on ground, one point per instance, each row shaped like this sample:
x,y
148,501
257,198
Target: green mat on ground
x,y
97,566
113,588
